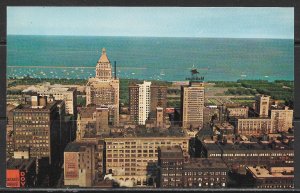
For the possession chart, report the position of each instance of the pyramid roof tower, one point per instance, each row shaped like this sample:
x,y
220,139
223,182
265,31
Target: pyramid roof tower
x,y
103,58
103,67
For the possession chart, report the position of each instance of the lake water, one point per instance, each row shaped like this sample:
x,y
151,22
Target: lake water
x,y
157,58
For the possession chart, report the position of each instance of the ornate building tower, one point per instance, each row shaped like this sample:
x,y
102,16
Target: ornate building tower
x,y
103,67
103,89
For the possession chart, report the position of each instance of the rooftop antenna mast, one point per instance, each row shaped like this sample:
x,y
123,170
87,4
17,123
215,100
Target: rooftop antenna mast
x,y
115,66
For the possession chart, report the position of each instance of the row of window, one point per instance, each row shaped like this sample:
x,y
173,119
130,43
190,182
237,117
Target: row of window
x,y
145,143
256,154
132,155
205,173
132,151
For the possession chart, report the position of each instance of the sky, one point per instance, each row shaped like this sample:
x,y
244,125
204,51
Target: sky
x,y
235,22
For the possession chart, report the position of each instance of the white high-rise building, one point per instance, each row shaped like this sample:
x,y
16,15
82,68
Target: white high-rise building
x,y
144,101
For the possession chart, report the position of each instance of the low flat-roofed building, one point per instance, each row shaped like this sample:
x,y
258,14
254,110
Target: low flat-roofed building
x,y
132,154
237,156
246,153
238,112
272,178
253,126
58,92
224,128
176,172
210,149
205,173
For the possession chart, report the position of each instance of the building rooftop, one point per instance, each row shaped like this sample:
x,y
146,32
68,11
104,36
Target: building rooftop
x,y
224,126
47,87
103,58
255,146
255,118
76,146
27,107
205,163
141,131
171,152
87,112
211,146
21,164
278,172
235,106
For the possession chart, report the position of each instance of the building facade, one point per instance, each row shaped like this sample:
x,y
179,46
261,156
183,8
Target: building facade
x,y
254,126
176,172
92,119
103,89
144,102
271,178
281,119
135,158
237,156
39,128
170,161
238,112
57,92
192,101
79,164
262,103
158,99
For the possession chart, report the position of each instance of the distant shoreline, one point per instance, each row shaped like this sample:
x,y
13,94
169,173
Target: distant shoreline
x,y
135,79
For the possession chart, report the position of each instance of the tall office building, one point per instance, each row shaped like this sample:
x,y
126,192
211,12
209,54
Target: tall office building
x,y
144,99
40,128
262,103
103,89
192,104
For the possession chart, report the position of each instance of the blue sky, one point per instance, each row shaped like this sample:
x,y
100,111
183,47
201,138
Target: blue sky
x,y
152,21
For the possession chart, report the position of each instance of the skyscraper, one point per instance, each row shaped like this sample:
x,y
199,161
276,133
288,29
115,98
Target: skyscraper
x,y
103,89
192,105
139,99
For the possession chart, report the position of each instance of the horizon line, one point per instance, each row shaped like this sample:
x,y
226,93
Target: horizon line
x,y
217,37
